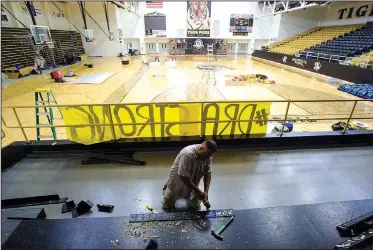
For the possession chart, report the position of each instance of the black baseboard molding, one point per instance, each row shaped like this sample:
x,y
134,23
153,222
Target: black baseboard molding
x,y
32,201
354,138
13,153
343,72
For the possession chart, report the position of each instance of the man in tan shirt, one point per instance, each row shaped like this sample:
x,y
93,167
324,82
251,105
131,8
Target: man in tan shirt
x,y
191,164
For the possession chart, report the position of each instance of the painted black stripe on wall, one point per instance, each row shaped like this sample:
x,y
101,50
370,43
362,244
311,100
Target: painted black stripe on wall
x,y
344,72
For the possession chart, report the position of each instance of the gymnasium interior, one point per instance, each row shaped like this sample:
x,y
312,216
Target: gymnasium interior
x,y
99,100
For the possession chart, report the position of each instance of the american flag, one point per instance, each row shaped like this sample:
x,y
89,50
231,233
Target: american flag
x,y
154,4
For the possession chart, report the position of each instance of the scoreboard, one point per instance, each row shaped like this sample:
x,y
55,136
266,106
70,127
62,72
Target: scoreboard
x,y
241,24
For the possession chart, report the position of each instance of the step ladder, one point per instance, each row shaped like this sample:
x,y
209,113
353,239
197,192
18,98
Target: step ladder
x,y
209,74
42,103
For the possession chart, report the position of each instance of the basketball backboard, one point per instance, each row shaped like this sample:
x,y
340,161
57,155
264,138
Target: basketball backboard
x,y
89,36
40,34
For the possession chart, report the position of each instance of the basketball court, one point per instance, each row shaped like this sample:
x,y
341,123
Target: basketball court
x,y
163,70
138,83
270,101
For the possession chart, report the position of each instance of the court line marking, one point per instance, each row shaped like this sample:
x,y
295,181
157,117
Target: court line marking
x,y
135,78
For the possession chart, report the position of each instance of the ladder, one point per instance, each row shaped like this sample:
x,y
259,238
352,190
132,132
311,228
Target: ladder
x,y
210,77
42,103
209,73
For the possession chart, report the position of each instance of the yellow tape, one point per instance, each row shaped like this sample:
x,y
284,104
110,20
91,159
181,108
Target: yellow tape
x,y
171,114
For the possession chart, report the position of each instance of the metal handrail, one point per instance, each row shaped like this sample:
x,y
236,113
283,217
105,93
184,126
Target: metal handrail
x,y
112,124
363,63
191,102
174,123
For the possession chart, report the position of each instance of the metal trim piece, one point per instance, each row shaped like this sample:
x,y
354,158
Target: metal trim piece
x,y
181,215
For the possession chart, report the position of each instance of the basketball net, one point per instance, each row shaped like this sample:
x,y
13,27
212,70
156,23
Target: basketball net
x,y
91,40
49,44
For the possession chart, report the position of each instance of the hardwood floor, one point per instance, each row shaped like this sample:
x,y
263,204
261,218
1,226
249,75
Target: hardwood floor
x,y
137,83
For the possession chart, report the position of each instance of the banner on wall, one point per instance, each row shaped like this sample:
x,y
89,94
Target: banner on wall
x,y
354,11
241,24
23,9
198,18
57,14
197,46
344,72
220,47
221,117
177,46
4,17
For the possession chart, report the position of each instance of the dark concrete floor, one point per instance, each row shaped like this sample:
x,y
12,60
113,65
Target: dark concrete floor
x,y
309,226
242,179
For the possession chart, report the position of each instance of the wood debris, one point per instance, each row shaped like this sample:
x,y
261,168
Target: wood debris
x,y
156,229
115,243
148,229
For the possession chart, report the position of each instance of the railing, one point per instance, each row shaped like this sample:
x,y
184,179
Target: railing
x,y
112,125
329,57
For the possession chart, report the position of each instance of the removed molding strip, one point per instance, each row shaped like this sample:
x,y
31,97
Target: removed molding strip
x,y
33,201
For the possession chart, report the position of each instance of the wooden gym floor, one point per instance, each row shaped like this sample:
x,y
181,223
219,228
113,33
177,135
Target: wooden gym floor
x,y
142,84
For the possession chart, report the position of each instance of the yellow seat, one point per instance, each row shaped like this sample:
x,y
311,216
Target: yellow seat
x,y
311,38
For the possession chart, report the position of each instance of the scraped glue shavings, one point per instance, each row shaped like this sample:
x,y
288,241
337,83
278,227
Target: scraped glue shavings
x,y
154,229
115,243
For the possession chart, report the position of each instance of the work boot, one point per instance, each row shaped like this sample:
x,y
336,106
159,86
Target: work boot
x,y
194,205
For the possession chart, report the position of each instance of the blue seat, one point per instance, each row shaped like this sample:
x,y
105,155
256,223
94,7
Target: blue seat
x,y
350,44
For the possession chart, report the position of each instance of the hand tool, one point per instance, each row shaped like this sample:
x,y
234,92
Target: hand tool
x,y
218,233
206,203
151,209
203,214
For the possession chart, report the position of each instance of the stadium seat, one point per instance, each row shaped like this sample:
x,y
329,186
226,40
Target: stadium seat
x,y
353,44
364,61
314,37
284,41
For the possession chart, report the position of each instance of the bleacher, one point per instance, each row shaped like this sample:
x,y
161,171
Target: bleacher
x,y
350,45
364,61
296,36
314,37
